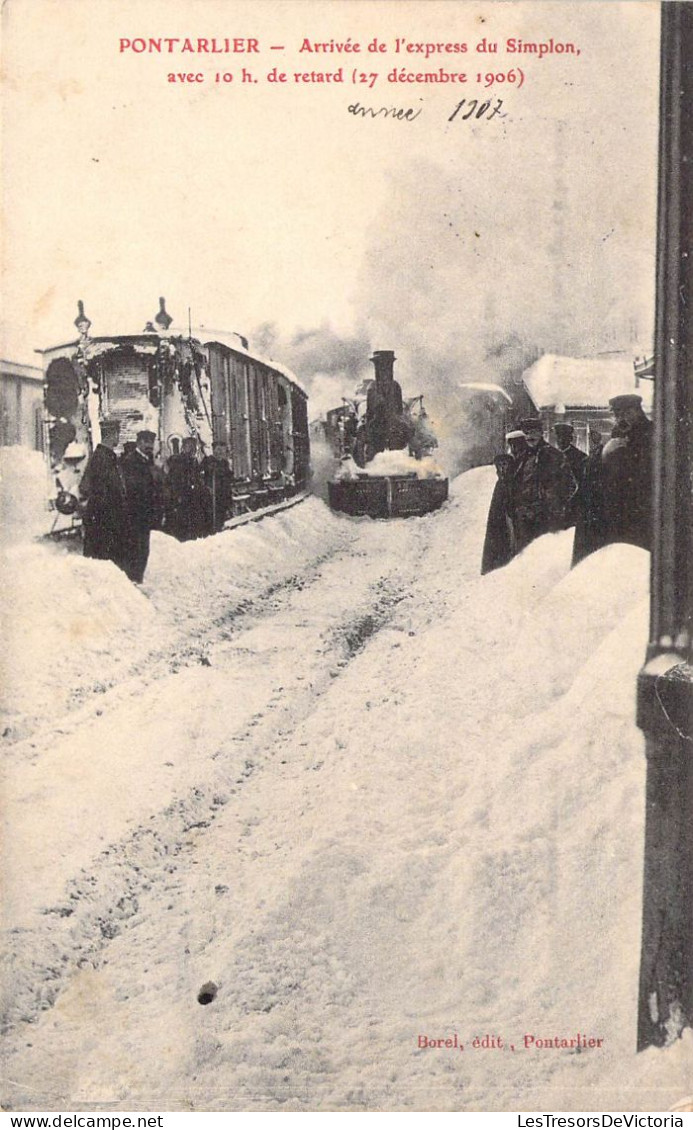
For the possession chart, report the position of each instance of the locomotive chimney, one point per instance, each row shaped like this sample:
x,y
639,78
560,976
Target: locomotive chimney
x,y
163,319
383,360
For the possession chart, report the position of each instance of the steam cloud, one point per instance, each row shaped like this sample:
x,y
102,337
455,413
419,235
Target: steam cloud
x,y
329,366
473,278
477,282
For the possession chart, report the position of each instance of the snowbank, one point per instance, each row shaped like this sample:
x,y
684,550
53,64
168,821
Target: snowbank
x,y
69,620
409,802
75,626
23,495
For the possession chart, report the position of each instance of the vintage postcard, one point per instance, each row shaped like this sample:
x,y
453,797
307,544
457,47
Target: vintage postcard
x,y
327,325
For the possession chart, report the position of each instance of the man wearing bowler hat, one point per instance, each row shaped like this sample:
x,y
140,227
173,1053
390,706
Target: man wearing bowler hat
x,y
516,442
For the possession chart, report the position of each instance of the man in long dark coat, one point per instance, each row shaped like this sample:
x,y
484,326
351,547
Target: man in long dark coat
x,y
103,492
575,459
542,488
590,522
616,489
218,481
142,504
499,542
628,475
565,437
185,494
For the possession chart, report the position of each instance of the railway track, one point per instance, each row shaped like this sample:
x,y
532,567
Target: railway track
x,y
266,667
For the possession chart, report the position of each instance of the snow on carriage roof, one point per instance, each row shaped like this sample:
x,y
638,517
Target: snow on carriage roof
x,y
586,382
234,340
230,338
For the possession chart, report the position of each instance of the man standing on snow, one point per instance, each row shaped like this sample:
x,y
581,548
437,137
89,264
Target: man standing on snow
x,y
616,489
575,459
142,505
185,511
565,436
628,475
103,494
500,543
542,488
499,547
217,482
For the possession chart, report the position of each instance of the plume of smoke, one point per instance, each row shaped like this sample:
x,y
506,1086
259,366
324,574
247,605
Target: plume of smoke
x,y
474,284
323,463
328,364
472,278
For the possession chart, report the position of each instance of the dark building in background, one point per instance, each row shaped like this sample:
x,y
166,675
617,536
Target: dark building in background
x,y
21,405
577,390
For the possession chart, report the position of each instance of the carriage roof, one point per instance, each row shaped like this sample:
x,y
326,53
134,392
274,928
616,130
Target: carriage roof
x,y
149,342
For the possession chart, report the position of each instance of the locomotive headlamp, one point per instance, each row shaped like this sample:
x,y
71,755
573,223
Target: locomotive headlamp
x,y
66,503
81,321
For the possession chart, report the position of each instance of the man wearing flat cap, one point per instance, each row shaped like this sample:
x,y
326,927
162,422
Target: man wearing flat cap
x,y
103,495
143,504
565,436
627,405
543,487
616,491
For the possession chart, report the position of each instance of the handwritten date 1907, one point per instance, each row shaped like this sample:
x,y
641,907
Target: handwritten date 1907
x,y
474,108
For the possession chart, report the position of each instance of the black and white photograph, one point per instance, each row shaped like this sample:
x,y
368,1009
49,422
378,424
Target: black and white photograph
x,y
347,537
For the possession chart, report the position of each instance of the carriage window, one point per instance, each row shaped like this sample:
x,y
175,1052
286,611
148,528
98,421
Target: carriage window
x,y
38,428
62,389
154,386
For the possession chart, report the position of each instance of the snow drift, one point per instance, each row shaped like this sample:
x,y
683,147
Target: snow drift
x,y
404,801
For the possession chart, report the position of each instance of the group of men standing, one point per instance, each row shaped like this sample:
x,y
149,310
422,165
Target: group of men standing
x,y
121,501
541,489
125,497
198,494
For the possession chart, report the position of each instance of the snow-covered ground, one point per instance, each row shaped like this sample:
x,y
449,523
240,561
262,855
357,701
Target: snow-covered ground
x,y
366,794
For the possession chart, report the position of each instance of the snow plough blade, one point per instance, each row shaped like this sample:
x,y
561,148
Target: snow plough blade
x,y
387,496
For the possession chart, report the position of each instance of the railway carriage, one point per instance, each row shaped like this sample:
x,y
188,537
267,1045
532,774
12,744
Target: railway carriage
x,y
208,386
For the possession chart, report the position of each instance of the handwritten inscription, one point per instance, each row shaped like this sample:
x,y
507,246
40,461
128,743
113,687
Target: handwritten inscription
x,y
466,109
400,115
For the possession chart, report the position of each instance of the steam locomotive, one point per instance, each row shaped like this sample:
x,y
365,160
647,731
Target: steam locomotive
x,y
210,388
